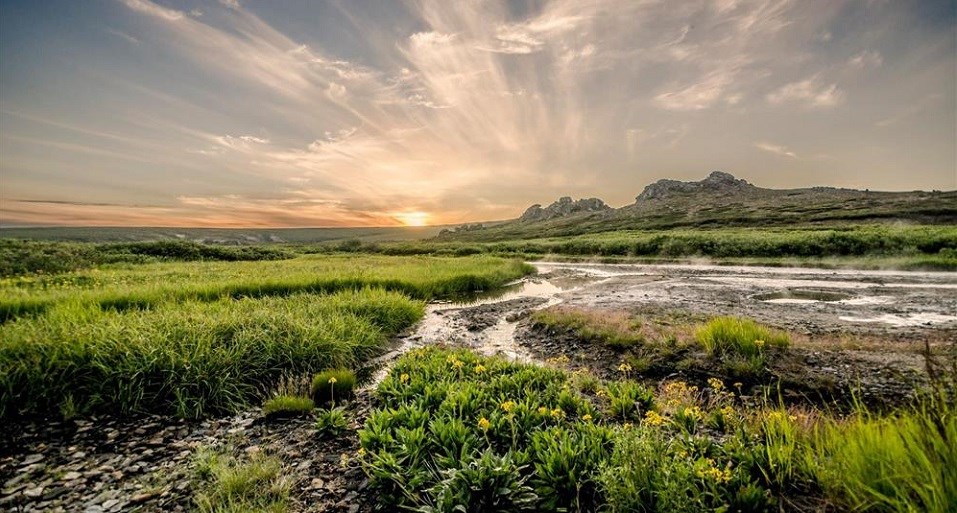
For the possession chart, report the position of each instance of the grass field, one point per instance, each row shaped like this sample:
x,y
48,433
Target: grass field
x,y
129,286
896,246
203,337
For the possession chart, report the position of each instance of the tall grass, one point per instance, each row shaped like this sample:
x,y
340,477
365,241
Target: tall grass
x,y
906,462
144,286
739,337
189,358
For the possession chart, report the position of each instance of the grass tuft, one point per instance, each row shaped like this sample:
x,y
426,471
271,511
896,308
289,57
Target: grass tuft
x,y
333,385
287,406
230,485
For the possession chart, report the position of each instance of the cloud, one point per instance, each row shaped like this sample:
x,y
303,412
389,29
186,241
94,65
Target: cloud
x,y
697,96
123,35
866,59
775,149
810,92
152,9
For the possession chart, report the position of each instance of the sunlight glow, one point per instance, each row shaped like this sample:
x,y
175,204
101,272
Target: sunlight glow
x,y
413,218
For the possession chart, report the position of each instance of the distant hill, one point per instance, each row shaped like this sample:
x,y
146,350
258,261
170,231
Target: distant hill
x,y
719,200
220,235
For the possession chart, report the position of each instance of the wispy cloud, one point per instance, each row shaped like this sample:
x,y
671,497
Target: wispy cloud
x,y
811,92
776,149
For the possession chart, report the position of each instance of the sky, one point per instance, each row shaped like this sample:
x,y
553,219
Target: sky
x,y
256,113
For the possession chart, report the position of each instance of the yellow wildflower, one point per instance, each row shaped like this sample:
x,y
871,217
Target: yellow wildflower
x,y
484,424
716,384
479,369
404,378
652,418
457,364
542,410
556,413
507,406
333,380
361,451
759,344
586,417
624,368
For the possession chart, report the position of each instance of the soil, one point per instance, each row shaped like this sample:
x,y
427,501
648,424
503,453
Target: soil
x,y
854,331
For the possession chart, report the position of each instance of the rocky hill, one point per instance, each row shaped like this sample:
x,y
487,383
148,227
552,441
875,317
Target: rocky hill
x,y
719,200
562,208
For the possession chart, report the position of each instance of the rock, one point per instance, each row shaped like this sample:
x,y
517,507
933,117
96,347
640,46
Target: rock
x,y
562,208
716,183
31,459
71,475
33,493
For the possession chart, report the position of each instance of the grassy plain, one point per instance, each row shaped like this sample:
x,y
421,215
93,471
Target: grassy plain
x,y
208,337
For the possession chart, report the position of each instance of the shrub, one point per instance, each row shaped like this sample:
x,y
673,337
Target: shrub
x,y
333,385
287,406
330,422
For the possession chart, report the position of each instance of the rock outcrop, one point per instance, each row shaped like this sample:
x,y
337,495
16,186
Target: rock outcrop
x,y
717,183
564,207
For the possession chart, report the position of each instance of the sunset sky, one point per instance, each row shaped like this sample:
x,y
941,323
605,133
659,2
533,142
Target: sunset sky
x,y
370,112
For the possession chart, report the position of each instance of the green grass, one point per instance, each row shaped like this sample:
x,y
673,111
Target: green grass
x,y
126,287
731,336
188,358
332,385
227,484
287,406
870,245
19,257
906,462
613,328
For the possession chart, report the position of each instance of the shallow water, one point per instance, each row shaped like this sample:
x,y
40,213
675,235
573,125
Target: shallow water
x,y
895,299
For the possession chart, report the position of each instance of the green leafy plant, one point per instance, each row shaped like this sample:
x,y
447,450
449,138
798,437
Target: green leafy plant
x,y
330,422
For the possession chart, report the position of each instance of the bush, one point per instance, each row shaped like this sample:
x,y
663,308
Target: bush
x,y
287,406
333,385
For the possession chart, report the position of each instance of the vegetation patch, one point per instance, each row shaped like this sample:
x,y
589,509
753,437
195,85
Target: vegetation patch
x,y
333,385
459,432
148,286
227,484
613,328
18,257
287,406
189,358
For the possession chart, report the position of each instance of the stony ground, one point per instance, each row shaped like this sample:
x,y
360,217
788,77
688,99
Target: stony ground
x,y
106,465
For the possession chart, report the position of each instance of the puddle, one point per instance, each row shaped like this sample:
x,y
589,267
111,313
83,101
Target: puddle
x,y
799,296
919,319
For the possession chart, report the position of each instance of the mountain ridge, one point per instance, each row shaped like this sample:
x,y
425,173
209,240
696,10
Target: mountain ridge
x,y
719,199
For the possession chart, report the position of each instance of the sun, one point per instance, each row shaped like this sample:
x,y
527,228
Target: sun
x,y
413,218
